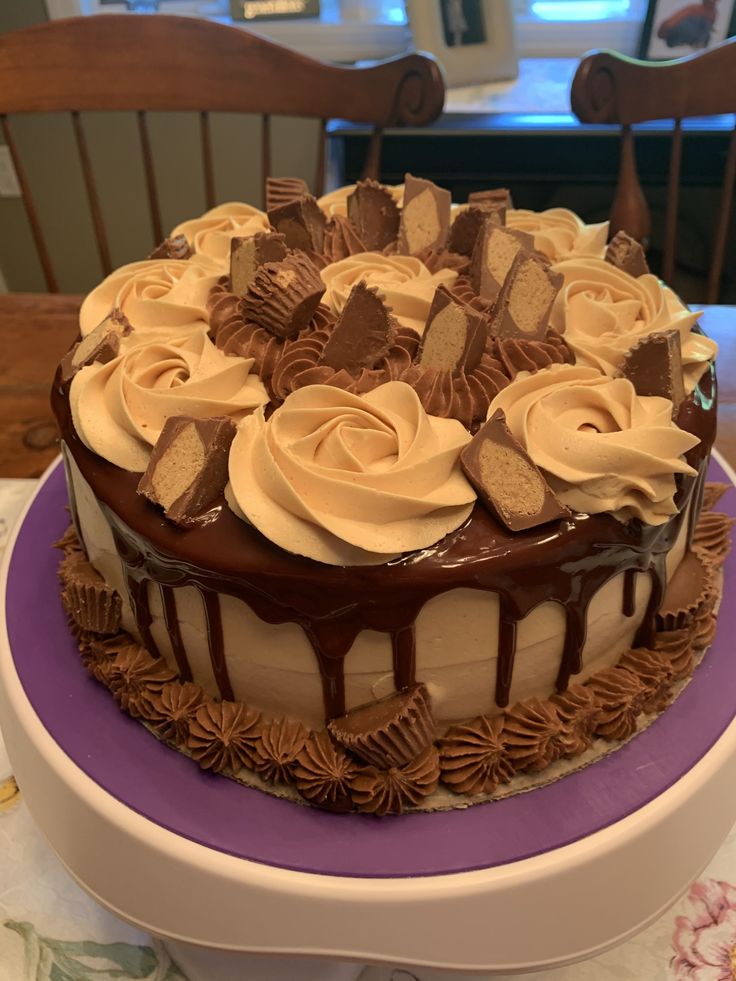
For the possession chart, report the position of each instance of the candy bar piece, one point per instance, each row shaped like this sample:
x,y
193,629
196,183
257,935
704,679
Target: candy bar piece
x,y
467,226
101,345
247,254
496,199
455,336
390,732
523,306
302,223
654,367
172,248
626,253
281,190
425,217
284,295
507,480
364,332
374,214
187,471
494,252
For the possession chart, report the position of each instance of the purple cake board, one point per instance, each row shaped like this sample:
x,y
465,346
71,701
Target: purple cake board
x,y
167,788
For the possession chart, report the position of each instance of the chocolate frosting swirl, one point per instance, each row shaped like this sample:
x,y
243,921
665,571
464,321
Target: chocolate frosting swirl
x,y
712,538
474,757
277,748
578,710
391,791
341,240
135,676
98,653
455,394
520,354
712,493
677,647
621,696
655,672
223,734
172,710
324,773
534,734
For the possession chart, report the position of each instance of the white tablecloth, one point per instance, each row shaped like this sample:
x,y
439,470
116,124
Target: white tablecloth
x,y
50,930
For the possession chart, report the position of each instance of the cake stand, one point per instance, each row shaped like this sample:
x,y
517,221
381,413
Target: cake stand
x,y
536,880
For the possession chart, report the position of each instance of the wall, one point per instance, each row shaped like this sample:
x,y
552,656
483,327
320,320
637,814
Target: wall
x,y
49,153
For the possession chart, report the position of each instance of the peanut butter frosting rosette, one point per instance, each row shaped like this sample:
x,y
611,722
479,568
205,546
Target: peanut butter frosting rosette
x,y
603,312
350,480
336,202
403,281
210,234
120,408
560,233
168,295
601,446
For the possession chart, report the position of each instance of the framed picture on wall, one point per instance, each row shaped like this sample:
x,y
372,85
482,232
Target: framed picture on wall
x,y
674,28
472,39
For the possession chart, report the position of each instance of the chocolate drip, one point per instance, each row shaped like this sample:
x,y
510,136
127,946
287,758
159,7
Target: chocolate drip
x,y
505,663
213,617
171,618
140,607
572,651
403,647
331,660
629,603
658,573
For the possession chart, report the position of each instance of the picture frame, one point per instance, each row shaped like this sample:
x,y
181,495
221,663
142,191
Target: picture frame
x,y
675,28
472,39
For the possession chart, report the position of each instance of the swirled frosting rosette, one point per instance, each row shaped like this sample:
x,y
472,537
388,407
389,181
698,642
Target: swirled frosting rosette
x,y
167,295
210,234
336,202
403,281
603,312
120,408
351,480
601,446
560,234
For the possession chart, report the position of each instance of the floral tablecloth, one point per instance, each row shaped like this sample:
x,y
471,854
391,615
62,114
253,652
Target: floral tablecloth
x,y
50,930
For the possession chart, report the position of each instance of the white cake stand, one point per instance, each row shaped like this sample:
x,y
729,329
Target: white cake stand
x,y
563,904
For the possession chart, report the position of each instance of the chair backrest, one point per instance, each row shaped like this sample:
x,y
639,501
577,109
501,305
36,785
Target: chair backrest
x,y
611,88
169,63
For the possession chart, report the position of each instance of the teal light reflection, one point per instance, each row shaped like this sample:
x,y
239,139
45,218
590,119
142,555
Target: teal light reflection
x,y
556,10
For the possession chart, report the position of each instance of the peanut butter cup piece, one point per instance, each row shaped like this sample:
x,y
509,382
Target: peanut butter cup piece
x,y
172,248
99,346
523,305
281,190
374,215
496,199
687,591
390,732
302,223
91,603
284,296
247,254
187,472
494,252
654,367
467,226
627,254
506,478
364,332
425,216
455,336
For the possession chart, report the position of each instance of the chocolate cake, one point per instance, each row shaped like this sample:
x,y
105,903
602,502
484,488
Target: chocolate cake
x,y
381,504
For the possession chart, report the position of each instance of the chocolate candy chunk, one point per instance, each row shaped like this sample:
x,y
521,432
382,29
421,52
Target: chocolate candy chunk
x,y
496,199
187,471
528,292
281,190
390,732
101,345
467,226
506,478
626,253
284,296
363,334
87,598
374,214
301,222
494,252
455,336
247,254
425,217
654,367
172,248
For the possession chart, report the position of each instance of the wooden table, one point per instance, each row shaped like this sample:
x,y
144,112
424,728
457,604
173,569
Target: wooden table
x,y
38,328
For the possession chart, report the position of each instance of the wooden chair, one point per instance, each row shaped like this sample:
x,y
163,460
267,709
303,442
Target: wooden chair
x,y
611,88
143,64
